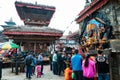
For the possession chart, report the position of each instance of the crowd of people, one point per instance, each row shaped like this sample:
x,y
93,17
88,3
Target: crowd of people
x,y
75,67
34,65
59,61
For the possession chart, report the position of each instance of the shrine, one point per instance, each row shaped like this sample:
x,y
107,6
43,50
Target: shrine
x,y
100,30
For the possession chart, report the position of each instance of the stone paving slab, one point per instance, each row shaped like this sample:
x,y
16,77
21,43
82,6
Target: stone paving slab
x,y
48,75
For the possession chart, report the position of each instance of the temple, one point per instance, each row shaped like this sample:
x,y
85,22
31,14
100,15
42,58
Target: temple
x,y
9,23
35,35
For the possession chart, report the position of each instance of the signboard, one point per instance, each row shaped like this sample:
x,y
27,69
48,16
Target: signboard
x,y
66,42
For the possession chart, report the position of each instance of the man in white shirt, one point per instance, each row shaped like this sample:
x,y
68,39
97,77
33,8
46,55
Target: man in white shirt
x,y
55,66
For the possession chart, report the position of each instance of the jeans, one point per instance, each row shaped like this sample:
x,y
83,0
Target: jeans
x,y
78,75
55,68
103,76
41,63
59,68
85,78
28,71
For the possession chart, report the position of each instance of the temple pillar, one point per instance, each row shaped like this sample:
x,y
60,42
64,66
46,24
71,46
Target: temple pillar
x,y
34,47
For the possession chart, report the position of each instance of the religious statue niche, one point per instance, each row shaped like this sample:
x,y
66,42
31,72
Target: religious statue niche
x,y
96,31
95,35
91,34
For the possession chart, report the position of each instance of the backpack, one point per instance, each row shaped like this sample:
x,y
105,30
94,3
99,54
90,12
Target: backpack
x,y
28,61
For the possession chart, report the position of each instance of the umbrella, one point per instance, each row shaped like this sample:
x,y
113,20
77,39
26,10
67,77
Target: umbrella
x,y
8,45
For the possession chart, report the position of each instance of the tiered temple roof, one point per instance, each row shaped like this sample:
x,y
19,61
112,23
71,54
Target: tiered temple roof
x,y
40,34
9,23
34,14
33,30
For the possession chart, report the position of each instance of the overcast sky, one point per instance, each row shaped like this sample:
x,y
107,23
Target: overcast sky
x,y
63,18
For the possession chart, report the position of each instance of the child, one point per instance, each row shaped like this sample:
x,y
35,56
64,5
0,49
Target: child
x,y
68,73
38,70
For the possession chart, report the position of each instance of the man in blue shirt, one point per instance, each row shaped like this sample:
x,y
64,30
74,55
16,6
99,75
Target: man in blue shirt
x,y
76,62
28,62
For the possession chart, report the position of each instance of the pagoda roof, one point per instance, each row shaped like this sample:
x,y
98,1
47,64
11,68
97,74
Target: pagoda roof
x,y
96,4
34,14
74,35
25,30
9,23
